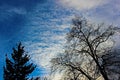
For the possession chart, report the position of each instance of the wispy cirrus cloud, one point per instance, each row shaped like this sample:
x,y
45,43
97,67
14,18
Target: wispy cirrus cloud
x,y
20,11
82,4
45,33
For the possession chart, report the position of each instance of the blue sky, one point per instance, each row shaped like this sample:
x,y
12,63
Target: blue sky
x,y
41,25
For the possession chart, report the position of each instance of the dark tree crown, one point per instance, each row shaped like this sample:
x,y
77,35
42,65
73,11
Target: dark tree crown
x,y
19,67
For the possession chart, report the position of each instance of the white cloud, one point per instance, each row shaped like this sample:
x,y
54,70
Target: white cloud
x,y
43,56
83,4
57,76
47,39
47,35
108,13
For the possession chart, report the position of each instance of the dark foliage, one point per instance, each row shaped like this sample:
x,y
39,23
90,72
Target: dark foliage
x,y
18,68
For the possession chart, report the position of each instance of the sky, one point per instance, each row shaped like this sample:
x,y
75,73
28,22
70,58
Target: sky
x,y
41,25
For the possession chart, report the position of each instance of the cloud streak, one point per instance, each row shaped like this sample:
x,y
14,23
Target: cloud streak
x,y
82,4
46,33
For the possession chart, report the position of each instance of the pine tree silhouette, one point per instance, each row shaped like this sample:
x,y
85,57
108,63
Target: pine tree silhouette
x,y
19,67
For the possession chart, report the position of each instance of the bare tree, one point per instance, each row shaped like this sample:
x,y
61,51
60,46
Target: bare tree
x,y
112,64
83,54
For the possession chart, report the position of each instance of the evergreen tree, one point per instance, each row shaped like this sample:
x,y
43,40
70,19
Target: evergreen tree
x,y
19,67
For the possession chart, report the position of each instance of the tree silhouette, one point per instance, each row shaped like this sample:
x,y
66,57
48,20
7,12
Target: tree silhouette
x,y
112,64
83,54
19,67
